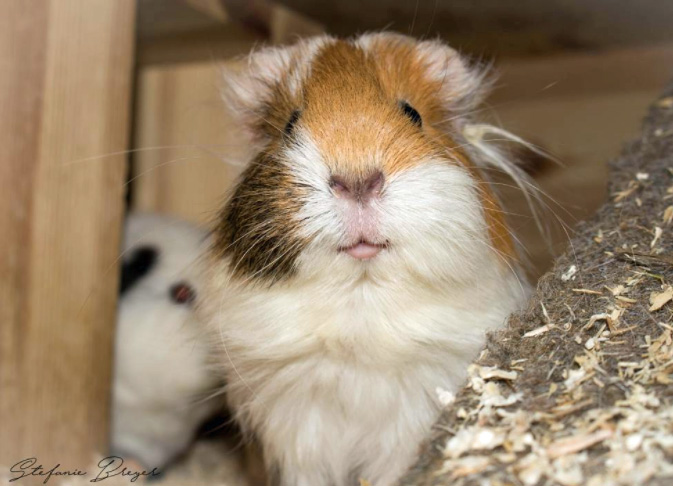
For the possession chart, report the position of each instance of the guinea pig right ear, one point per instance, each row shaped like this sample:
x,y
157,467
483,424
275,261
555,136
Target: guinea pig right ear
x,y
266,82
464,84
252,84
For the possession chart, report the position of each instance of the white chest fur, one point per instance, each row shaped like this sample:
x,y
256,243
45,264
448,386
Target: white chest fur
x,y
339,383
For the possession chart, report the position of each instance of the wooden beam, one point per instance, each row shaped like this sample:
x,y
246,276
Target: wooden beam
x,y
494,27
196,46
212,8
65,87
178,31
158,18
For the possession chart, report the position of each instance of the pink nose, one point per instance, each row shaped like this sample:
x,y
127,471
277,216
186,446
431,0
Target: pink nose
x,y
362,190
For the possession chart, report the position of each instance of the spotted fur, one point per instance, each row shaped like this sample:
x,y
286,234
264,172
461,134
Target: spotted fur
x,y
257,230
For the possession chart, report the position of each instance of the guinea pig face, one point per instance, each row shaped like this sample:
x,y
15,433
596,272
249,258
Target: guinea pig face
x,y
360,166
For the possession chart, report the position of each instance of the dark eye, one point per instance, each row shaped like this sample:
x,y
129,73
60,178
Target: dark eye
x,y
182,293
411,112
291,123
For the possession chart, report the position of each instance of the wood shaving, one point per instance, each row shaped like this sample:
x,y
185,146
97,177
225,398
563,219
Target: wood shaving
x,y
538,331
668,215
490,373
657,234
569,274
445,397
577,443
621,195
588,291
659,299
665,102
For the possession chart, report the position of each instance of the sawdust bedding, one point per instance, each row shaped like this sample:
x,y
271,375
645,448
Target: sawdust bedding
x,y
578,388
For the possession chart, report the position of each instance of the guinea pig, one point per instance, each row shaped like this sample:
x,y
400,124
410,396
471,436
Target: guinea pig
x,y
162,382
361,256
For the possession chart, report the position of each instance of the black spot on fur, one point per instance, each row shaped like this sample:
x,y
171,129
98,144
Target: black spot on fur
x,y
258,229
141,262
289,126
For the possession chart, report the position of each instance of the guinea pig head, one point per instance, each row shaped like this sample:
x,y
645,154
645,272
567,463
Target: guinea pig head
x,y
360,168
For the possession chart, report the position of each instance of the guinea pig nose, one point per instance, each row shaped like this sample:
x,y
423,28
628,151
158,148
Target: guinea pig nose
x,y
362,190
339,186
373,184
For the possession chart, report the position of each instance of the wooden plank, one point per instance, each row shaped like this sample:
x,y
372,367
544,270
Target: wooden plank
x,y
287,25
212,8
65,85
173,32
170,17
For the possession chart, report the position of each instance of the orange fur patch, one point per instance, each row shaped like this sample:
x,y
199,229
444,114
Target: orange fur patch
x,y
354,117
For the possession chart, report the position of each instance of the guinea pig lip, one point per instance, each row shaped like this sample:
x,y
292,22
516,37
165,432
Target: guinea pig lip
x,y
363,249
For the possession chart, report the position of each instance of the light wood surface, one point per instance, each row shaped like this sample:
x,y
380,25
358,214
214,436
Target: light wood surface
x,y
65,85
189,150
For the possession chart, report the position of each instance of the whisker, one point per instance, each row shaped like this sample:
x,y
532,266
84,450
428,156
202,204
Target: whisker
x,y
144,149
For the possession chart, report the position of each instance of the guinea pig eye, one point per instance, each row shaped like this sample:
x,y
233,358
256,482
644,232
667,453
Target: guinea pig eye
x,y
289,127
411,112
182,293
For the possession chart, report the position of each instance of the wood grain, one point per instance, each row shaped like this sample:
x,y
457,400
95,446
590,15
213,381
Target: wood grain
x,y
65,87
189,149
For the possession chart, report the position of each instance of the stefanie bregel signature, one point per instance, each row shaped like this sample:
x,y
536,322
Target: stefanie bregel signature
x,y
108,467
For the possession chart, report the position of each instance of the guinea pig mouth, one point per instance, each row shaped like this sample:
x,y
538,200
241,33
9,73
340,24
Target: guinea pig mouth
x,y
364,250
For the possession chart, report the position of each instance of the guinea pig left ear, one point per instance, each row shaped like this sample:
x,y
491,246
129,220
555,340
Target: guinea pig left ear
x,y
249,85
464,84
267,77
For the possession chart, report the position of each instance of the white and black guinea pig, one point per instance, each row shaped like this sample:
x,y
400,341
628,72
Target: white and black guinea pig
x,y
162,383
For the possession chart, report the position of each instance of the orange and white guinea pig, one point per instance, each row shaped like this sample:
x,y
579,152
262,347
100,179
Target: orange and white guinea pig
x,y
361,257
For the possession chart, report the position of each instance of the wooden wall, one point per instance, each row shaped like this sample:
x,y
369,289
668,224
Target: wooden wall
x,y
65,86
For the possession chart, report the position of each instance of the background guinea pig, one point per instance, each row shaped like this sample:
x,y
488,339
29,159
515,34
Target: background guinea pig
x,y
162,383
